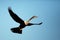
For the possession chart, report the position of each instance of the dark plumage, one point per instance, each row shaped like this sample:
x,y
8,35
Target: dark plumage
x,y
20,21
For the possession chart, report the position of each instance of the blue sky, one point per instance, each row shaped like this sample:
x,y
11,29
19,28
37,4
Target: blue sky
x,y
48,12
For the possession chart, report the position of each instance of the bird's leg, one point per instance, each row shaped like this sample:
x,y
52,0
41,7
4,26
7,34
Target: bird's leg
x,y
21,29
32,18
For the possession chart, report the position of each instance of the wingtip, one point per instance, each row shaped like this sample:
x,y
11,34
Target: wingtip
x,y
16,30
35,16
9,8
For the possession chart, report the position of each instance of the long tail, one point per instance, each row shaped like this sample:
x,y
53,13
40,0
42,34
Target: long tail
x,y
16,30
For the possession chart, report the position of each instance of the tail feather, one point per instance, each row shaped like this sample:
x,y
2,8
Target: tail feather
x,y
16,30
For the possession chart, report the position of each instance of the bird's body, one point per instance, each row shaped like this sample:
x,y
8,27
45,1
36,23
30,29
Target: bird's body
x,y
22,23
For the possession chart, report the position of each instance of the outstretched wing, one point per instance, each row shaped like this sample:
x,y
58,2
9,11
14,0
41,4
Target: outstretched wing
x,y
32,18
16,30
15,17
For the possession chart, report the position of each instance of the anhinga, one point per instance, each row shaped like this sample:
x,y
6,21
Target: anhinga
x,y
22,23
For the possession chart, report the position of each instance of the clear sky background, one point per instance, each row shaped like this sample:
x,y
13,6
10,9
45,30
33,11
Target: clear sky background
x,y
48,12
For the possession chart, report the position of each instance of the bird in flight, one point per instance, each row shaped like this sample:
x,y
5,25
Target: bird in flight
x,y
22,23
